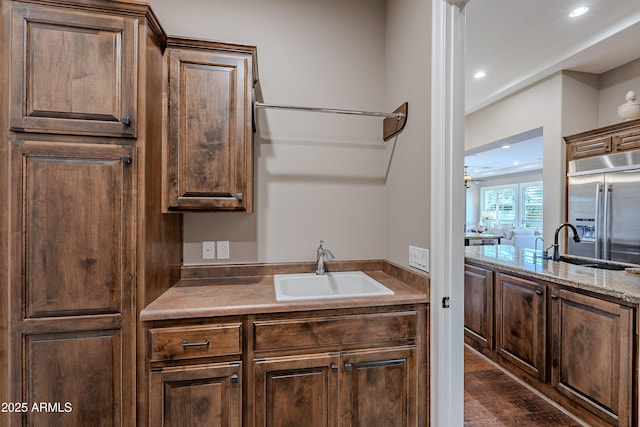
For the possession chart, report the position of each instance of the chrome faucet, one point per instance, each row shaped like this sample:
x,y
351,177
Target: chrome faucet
x,y
535,248
556,246
322,254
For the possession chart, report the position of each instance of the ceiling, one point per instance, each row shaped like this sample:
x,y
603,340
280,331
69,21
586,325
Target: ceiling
x,y
520,42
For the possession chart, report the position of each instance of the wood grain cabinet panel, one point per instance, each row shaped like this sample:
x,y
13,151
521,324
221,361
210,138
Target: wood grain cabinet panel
x,y
379,388
79,373
592,352
73,72
76,210
200,395
189,342
296,390
478,305
521,323
590,148
209,160
627,141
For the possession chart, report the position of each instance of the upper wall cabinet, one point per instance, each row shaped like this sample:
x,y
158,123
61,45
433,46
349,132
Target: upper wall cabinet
x,y
209,146
73,72
623,136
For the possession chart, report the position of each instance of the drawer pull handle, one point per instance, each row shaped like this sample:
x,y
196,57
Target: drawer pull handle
x,y
186,344
125,121
539,292
234,379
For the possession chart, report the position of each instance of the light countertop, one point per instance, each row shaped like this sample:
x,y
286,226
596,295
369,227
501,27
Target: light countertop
x,y
618,284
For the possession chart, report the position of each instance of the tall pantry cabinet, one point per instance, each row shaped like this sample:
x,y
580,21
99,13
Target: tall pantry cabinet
x,y
84,243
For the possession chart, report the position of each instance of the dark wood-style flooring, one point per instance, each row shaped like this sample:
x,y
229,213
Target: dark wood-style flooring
x,y
493,398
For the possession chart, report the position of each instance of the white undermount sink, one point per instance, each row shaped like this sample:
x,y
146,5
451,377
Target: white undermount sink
x,y
293,287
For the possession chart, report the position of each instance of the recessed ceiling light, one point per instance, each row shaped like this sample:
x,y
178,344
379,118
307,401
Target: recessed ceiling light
x,y
479,74
579,11
506,146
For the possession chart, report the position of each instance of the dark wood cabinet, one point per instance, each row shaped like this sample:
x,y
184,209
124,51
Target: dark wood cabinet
x,y
209,147
521,320
379,387
592,354
84,241
478,306
200,395
296,389
72,317
369,373
73,72
363,367
359,388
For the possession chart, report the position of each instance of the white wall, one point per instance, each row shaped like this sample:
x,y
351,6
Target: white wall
x,y
323,176
408,62
539,106
614,85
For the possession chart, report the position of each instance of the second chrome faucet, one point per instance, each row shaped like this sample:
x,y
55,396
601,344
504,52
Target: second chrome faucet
x,y
322,253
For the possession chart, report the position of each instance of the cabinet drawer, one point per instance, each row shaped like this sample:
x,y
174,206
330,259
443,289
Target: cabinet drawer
x,y
195,341
335,331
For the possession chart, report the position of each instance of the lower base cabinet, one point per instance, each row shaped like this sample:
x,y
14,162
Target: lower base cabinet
x,y
357,388
360,367
201,395
592,352
521,323
578,348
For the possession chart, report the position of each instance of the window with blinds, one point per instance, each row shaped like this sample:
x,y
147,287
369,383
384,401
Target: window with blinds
x,y
516,205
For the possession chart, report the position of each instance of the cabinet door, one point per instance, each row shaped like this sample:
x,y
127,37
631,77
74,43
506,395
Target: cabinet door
x,y
296,391
72,270
202,395
77,376
627,141
589,148
521,323
73,208
73,72
380,388
478,305
209,156
592,354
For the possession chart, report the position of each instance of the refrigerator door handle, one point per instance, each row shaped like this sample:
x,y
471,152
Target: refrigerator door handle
x,y
598,236
605,219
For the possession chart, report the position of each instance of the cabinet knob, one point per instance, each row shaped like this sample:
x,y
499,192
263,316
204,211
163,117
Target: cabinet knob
x,y
234,379
347,367
554,296
539,292
126,160
239,196
125,121
334,368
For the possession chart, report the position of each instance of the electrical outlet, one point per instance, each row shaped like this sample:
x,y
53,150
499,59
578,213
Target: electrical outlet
x,y
419,258
223,249
208,250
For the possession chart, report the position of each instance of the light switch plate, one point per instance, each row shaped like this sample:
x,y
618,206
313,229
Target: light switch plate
x,y
223,249
208,250
419,258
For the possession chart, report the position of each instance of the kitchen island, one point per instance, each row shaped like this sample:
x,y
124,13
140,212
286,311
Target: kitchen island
x,y
568,330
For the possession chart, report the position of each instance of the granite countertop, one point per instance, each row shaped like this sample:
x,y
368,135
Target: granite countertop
x,y
618,284
251,292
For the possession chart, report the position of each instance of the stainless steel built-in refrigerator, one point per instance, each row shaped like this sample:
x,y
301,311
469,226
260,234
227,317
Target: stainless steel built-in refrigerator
x,y
604,205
